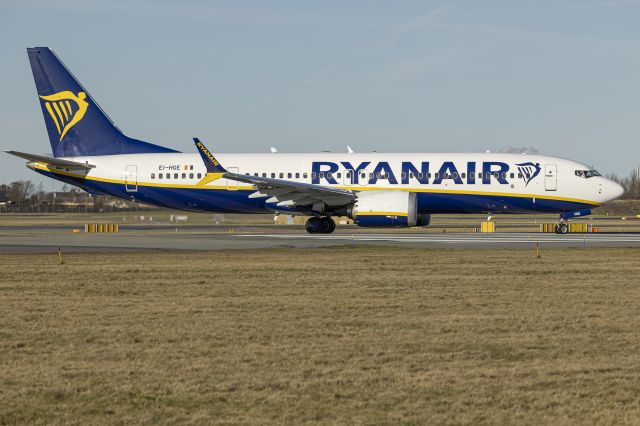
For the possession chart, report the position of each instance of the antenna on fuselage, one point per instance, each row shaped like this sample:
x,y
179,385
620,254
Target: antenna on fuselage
x,y
274,150
349,150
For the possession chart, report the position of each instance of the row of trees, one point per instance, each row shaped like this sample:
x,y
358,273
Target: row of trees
x,y
25,197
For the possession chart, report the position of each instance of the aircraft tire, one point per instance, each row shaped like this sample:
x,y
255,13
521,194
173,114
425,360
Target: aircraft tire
x,y
328,225
562,228
313,225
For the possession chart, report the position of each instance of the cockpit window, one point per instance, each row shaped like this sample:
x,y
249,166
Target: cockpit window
x,y
587,173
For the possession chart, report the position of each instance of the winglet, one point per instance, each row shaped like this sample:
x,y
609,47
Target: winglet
x,y
214,169
210,162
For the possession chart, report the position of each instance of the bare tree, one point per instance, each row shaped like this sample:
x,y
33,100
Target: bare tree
x,y
19,192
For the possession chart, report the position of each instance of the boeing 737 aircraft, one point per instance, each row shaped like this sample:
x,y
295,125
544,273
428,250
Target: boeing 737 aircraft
x,y
374,189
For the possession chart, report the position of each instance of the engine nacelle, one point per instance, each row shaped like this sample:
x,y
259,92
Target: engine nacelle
x,y
385,208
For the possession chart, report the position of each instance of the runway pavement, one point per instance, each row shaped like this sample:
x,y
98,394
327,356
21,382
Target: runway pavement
x,y
250,239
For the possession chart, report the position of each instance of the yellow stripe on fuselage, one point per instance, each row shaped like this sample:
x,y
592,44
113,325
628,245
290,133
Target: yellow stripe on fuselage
x,y
208,178
403,214
45,167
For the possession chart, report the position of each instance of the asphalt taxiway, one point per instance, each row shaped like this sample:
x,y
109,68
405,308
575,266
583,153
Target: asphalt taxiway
x,y
255,238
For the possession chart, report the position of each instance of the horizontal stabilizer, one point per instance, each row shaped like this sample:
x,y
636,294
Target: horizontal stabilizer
x,y
51,160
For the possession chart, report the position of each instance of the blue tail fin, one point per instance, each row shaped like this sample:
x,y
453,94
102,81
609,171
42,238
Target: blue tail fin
x,y
77,126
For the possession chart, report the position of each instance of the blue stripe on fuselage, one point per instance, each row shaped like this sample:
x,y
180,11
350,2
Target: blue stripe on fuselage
x,y
227,201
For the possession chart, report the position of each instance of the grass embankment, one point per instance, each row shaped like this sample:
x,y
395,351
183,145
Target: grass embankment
x,y
364,335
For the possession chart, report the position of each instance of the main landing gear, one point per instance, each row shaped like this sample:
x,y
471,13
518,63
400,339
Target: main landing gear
x,y
320,225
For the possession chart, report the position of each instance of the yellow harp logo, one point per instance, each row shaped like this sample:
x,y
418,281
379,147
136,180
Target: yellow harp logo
x,y
62,112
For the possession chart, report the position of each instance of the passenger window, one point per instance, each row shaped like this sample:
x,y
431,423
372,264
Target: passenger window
x,y
264,175
305,175
199,175
321,174
339,175
190,175
329,175
153,175
289,175
184,176
175,176
297,175
281,175
463,175
454,175
512,175
313,175
437,175
273,175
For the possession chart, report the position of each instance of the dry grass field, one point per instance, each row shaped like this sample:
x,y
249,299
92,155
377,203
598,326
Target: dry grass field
x,y
367,335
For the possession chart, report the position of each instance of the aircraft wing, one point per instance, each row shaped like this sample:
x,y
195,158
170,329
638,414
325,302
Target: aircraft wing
x,y
289,193
51,160
283,193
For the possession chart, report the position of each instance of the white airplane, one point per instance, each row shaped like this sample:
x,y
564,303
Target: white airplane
x,y
374,189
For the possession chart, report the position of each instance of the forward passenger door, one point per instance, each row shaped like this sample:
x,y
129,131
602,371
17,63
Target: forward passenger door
x,y
550,177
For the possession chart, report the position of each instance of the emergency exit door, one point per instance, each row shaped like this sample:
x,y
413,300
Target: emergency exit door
x,y
550,177
232,185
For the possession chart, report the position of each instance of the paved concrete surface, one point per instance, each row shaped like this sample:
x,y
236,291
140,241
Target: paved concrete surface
x,y
248,238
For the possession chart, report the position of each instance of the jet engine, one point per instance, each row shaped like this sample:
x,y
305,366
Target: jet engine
x,y
385,208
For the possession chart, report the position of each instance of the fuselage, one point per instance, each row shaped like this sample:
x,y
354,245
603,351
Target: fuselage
x,y
442,182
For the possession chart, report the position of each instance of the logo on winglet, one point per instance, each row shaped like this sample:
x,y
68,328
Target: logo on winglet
x,y
528,171
207,153
66,109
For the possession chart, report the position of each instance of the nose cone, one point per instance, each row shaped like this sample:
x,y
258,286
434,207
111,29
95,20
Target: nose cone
x,y
613,190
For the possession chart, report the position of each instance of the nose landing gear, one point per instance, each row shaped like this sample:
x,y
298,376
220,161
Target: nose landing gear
x,y
320,225
562,227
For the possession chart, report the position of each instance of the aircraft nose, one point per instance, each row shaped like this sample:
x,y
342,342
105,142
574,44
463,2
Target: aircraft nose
x,y
613,190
